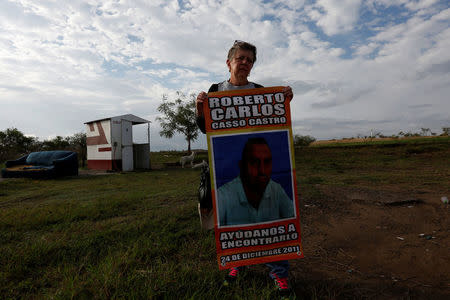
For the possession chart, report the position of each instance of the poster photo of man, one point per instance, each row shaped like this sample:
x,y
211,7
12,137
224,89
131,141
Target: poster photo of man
x,y
253,178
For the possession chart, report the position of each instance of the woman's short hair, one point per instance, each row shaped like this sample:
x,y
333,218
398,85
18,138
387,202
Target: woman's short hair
x,y
242,46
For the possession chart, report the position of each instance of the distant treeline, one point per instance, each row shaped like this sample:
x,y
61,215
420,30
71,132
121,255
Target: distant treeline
x,y
422,132
14,144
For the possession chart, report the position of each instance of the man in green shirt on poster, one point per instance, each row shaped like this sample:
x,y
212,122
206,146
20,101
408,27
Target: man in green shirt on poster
x,y
253,197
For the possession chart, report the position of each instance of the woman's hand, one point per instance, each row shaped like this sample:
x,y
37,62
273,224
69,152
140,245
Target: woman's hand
x,y
202,97
288,94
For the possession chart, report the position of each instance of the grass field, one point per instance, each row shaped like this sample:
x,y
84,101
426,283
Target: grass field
x,y
136,235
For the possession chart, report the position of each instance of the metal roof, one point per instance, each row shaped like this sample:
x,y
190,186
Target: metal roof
x,y
128,117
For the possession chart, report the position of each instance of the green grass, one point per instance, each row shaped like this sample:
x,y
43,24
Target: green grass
x,y
137,235
366,165
133,235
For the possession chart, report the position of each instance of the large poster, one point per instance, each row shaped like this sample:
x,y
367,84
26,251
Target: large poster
x,y
251,158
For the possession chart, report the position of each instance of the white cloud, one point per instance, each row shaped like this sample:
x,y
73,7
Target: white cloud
x,y
422,4
335,17
368,49
68,62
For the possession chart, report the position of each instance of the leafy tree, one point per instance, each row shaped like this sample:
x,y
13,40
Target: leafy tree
x,y
178,116
412,134
58,143
374,135
425,131
14,143
445,131
303,140
78,143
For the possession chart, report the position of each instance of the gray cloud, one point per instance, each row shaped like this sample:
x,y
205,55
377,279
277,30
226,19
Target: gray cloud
x,y
68,62
420,106
343,97
16,88
435,69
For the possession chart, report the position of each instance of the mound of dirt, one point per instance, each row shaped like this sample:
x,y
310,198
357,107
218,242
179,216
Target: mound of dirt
x,y
381,243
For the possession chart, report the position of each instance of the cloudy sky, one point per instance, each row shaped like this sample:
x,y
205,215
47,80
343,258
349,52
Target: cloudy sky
x,y
354,66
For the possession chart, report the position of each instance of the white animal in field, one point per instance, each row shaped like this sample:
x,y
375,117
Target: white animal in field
x,y
187,159
202,164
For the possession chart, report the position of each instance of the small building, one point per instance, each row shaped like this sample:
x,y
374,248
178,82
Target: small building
x,y
110,144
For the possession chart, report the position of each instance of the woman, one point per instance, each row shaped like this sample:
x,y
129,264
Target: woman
x,y
240,61
241,58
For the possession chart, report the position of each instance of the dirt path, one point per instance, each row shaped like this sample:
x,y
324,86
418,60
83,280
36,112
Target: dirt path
x,y
382,243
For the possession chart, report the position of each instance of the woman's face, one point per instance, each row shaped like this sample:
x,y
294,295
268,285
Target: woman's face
x,y
241,64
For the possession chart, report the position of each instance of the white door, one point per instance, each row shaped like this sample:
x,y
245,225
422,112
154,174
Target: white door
x,y
127,146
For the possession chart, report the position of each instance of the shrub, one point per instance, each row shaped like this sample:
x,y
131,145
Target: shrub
x,y
303,140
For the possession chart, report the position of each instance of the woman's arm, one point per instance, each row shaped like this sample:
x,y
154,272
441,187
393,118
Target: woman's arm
x,y
200,120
